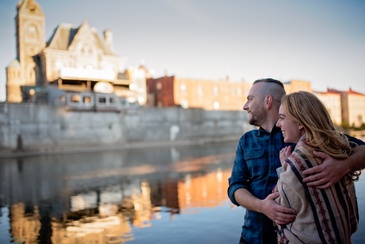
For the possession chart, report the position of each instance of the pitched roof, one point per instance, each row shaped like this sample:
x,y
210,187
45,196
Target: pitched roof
x,y
14,64
65,35
350,91
29,6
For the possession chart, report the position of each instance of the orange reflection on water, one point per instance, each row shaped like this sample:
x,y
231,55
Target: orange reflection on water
x,y
94,229
108,215
203,191
25,227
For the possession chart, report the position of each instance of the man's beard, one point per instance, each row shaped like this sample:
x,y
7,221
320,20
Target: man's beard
x,y
257,118
253,121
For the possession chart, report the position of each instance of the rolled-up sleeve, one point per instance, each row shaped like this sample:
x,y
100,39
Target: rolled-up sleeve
x,y
240,176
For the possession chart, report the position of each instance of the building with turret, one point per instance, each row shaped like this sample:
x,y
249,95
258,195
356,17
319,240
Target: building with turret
x,y
30,41
75,58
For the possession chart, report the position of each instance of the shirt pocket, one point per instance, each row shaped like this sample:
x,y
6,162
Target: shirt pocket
x,y
256,162
253,154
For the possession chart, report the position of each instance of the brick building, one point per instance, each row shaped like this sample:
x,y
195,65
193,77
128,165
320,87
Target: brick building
x,y
170,91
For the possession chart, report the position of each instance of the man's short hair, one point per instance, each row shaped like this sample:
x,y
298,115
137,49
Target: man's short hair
x,y
269,80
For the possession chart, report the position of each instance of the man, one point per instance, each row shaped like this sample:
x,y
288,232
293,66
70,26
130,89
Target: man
x,y
257,158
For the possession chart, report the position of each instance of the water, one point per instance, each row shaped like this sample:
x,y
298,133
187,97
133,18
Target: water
x,y
154,195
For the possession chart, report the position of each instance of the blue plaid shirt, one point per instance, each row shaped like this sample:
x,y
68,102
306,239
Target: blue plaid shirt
x,y
257,157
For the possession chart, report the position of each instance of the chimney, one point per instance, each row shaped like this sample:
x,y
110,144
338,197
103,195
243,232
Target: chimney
x,y
108,38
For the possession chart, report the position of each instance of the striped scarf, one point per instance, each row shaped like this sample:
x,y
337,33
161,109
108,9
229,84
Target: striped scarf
x,y
323,215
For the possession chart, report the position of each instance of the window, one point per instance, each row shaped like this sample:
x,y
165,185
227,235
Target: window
x,y
102,100
32,33
216,105
200,90
183,87
215,90
87,99
239,92
112,100
75,98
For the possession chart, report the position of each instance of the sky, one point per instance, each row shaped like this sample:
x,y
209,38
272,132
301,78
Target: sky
x,y
319,41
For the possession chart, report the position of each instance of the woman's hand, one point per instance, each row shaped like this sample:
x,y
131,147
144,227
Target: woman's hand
x,y
284,154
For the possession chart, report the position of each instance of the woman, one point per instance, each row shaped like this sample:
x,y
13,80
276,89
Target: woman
x,y
323,216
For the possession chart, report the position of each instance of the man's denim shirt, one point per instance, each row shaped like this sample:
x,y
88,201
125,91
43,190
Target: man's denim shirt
x,y
257,157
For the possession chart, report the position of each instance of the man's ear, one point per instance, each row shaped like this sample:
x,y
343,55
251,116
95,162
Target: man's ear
x,y
268,101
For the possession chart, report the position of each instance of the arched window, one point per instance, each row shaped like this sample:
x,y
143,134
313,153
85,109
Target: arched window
x,y
32,33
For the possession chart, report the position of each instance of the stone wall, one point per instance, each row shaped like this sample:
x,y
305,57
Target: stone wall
x,y
41,128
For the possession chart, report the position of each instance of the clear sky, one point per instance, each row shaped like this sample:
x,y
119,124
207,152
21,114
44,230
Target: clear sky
x,y
318,41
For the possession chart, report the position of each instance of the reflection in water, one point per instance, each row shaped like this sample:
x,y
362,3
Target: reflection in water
x,y
25,224
131,196
100,197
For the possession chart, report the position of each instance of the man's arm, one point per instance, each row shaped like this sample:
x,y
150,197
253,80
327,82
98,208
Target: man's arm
x,y
279,214
332,170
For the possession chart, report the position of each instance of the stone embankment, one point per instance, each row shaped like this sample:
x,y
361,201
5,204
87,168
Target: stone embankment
x,y
33,129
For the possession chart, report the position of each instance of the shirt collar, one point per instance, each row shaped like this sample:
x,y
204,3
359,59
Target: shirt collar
x,y
261,131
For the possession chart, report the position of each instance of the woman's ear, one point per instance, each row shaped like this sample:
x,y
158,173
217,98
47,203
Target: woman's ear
x,y
300,127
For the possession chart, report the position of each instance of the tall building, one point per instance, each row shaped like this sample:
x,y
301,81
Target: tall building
x,y
30,41
75,58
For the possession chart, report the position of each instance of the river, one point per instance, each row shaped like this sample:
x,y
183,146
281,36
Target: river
x,y
153,195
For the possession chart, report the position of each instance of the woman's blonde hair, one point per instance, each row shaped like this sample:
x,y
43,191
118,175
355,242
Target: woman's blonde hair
x,y
307,110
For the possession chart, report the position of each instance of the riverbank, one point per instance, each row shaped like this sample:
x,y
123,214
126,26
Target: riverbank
x,y
32,129
6,153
